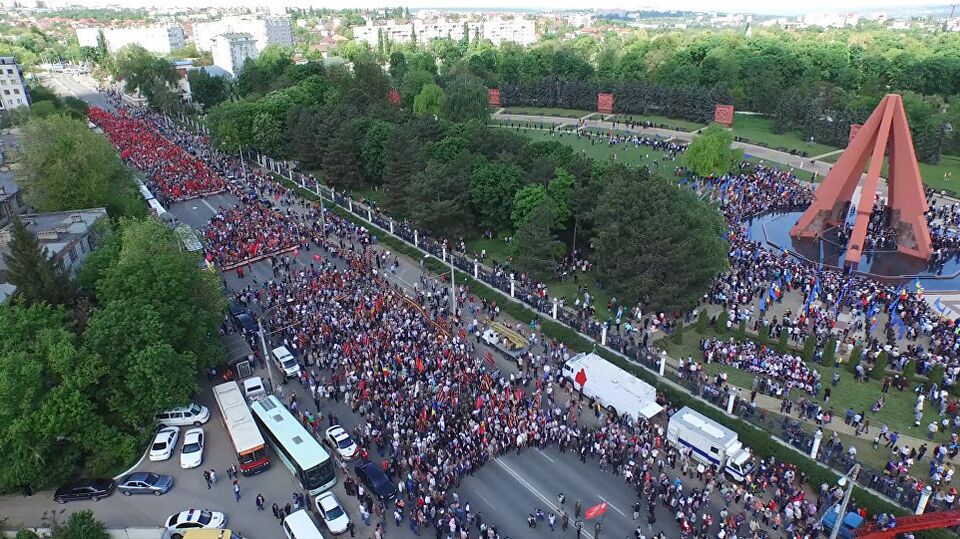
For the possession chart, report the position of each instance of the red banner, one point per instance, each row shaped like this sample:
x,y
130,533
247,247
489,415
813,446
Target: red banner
x,y
723,114
605,103
595,511
494,97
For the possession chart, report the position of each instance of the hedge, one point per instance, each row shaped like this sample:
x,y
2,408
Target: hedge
x,y
758,440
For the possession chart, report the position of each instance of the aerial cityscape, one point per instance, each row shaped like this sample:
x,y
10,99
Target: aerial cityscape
x,y
298,270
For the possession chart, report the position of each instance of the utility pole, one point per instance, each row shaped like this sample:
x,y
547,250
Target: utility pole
x,y
953,9
842,509
263,346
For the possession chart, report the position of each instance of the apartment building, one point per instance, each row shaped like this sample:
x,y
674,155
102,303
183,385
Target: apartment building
x,y
231,51
13,87
68,236
267,30
158,38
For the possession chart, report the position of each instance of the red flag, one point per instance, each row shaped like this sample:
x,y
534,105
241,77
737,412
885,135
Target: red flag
x,y
463,334
489,358
581,378
595,511
316,258
296,252
420,365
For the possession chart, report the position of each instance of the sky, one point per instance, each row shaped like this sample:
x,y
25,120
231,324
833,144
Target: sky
x,y
743,6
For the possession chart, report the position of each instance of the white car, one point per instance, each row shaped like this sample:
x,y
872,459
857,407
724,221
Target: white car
x,y
338,439
332,513
164,443
191,454
194,519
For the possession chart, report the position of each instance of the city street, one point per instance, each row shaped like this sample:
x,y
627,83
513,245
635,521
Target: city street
x,y
504,491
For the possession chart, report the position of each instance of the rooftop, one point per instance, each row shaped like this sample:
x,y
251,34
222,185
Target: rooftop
x,y
237,36
55,231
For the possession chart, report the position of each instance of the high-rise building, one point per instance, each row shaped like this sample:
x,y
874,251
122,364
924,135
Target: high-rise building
x,y
497,29
231,50
158,38
268,30
13,87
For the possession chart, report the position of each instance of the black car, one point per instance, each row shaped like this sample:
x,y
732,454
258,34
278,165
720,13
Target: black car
x,y
84,489
246,323
373,477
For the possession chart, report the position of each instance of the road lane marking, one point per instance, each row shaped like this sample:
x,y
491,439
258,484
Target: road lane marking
x,y
544,455
535,492
484,498
611,506
207,204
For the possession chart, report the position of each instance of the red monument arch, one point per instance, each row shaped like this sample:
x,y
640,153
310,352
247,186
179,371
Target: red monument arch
x,y
886,132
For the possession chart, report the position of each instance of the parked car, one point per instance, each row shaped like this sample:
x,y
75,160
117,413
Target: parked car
x,y
191,453
376,481
253,389
332,513
145,483
192,414
164,443
246,323
194,519
341,442
84,489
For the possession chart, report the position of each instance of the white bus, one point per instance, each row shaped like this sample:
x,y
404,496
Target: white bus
x,y
248,443
297,449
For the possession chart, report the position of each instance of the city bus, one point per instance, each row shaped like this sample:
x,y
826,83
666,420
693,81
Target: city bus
x,y
248,443
309,463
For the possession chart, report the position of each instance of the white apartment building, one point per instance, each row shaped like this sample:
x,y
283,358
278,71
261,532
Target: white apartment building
x,y
13,87
496,29
158,38
231,50
269,30
580,20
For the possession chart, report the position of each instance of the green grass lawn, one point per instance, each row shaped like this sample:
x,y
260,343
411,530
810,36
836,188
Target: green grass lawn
x,y
671,123
602,152
757,129
496,250
933,175
548,111
800,173
370,194
860,396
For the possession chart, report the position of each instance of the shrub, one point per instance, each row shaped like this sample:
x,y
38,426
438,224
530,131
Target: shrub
x,y
830,352
722,322
741,334
880,367
936,374
854,359
783,344
702,322
809,347
677,335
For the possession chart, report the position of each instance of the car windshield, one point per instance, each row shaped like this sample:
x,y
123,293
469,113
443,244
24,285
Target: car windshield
x,y
345,442
195,409
151,479
334,513
289,363
191,448
205,517
159,446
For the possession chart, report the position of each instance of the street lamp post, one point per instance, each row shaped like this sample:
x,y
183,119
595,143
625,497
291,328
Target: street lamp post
x,y
263,345
842,509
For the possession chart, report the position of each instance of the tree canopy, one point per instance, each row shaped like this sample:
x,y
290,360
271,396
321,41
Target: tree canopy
x,y
711,154
67,166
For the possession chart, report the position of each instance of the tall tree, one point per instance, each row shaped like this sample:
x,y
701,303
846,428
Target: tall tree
x,y
208,90
428,101
68,166
535,249
655,243
492,190
439,197
711,152
32,270
465,99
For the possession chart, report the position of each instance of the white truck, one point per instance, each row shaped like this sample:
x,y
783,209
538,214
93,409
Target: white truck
x,y
709,442
614,388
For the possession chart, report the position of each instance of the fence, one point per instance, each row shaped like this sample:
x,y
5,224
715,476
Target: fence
x,y
626,345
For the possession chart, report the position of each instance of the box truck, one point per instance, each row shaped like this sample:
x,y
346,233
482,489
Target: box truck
x,y
709,442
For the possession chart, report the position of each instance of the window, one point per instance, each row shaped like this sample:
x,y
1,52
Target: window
x,y
9,72
714,450
6,92
16,91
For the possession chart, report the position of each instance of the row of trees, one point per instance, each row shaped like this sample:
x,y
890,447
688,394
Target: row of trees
x,y
439,165
85,368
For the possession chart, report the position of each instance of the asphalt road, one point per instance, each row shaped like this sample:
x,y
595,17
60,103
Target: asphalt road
x,y
504,491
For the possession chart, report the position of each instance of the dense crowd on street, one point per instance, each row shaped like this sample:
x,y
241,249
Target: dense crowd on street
x,y
172,172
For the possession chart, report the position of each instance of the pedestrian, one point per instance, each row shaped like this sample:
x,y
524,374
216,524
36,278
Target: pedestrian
x,y
576,510
552,519
233,472
286,510
236,489
564,521
636,510
350,528
206,477
578,526
213,477
276,511
260,502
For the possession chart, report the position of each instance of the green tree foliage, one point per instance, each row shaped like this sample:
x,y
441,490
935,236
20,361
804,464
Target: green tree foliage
x,y
67,166
80,525
441,192
655,243
428,101
152,76
493,187
855,355
880,367
206,89
809,347
710,153
830,352
413,83
465,99
702,320
535,249
525,201
263,74
33,272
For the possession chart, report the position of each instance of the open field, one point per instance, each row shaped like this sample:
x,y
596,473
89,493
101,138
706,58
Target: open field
x,y
547,111
759,130
668,123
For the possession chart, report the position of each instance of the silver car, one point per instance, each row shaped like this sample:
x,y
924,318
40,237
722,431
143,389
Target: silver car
x,y
145,483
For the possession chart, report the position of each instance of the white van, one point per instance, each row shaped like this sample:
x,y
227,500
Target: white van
x,y
192,414
709,442
299,525
286,362
253,389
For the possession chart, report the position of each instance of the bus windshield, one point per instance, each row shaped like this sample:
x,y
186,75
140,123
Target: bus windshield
x,y
319,475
